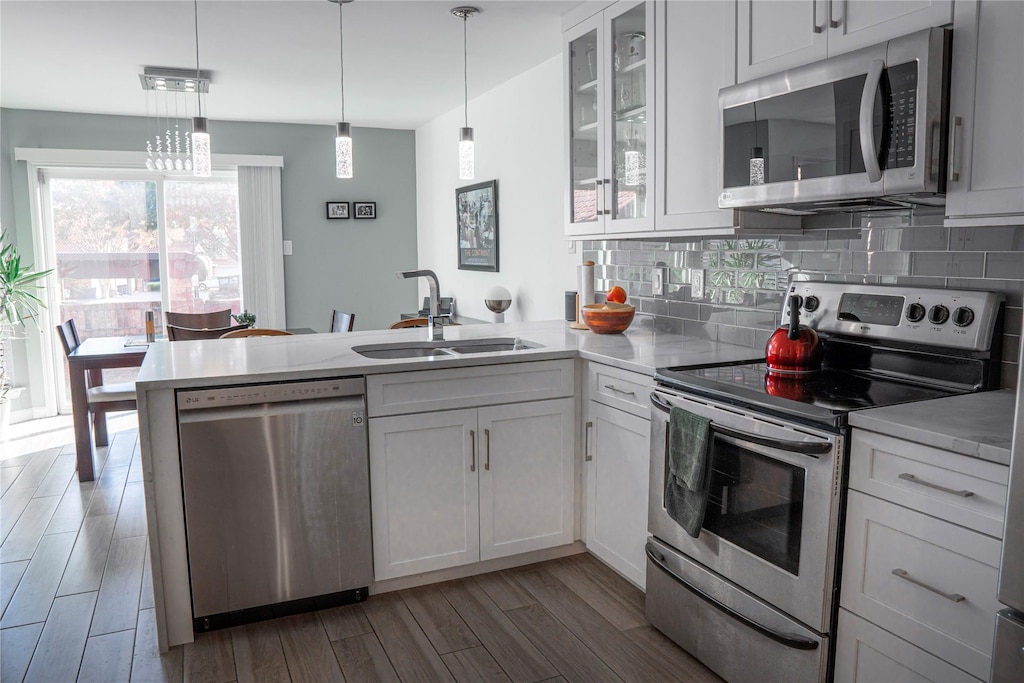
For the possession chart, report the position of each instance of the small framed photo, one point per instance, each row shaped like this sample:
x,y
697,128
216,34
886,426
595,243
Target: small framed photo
x,y
337,209
365,209
476,210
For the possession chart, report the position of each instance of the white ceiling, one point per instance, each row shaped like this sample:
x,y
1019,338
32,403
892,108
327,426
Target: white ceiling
x,y
271,60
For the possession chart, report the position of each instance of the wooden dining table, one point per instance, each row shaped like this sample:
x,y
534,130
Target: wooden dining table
x,y
85,367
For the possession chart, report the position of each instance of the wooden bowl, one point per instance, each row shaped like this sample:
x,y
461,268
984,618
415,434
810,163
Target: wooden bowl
x,y
605,319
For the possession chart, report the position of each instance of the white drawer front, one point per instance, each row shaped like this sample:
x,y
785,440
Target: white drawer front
x,y
428,390
934,557
622,389
867,654
963,490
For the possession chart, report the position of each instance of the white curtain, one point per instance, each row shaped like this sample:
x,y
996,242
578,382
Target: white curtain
x,y
259,215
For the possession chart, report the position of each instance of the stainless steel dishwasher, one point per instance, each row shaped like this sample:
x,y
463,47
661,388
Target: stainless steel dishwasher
x,y
277,498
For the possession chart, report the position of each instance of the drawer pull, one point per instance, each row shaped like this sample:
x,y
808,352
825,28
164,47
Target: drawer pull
x,y
952,597
620,391
906,476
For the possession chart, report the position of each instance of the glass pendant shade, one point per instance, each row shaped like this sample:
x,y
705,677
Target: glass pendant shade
x,y
343,150
467,169
202,165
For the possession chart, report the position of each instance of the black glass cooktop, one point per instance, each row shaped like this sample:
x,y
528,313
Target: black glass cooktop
x,y
821,398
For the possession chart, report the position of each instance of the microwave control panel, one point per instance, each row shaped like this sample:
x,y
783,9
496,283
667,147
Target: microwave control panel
x,y
902,86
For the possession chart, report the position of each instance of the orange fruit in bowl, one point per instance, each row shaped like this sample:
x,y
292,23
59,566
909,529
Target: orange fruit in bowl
x,y
616,295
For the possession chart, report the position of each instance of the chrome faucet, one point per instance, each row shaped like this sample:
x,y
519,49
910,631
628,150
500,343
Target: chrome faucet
x,y
434,320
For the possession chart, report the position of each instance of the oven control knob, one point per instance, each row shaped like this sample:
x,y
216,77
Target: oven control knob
x,y
915,313
938,314
963,316
811,304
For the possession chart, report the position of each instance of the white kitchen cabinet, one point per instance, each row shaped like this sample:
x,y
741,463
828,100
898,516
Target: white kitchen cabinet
x,y
775,35
986,114
691,67
920,561
455,487
608,104
617,468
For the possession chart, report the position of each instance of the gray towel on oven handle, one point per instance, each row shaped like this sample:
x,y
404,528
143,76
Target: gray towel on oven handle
x,y
688,479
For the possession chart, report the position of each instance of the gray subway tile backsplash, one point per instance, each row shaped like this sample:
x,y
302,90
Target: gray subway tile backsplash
x,y
745,279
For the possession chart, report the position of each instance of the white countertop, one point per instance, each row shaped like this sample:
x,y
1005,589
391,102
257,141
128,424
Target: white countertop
x,y
225,361
977,425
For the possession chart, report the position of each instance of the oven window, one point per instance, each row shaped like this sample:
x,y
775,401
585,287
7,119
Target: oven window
x,y
756,503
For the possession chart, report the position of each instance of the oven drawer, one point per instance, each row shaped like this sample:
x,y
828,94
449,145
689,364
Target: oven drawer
x,y
868,654
925,580
963,490
620,389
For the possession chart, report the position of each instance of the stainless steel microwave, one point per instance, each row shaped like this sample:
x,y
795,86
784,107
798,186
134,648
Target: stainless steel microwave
x,y
863,130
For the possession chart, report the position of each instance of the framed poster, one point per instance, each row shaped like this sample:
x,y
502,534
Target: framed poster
x,y
337,209
365,209
476,211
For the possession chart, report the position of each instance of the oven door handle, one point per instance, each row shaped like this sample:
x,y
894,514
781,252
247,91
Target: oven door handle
x,y
805,447
787,639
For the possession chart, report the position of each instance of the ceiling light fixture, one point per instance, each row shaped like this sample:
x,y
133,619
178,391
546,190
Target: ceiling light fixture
x,y
201,162
466,151
343,133
170,88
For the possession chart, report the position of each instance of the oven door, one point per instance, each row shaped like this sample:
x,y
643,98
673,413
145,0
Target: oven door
x,y
771,523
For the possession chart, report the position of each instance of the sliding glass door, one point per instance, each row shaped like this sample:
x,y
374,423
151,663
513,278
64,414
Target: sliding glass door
x,y
126,243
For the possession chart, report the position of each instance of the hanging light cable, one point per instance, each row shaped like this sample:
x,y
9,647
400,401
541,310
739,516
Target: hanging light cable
x,y
343,132
201,163
466,152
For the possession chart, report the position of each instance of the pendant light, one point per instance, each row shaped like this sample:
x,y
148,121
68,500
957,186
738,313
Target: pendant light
x,y
343,131
466,152
201,165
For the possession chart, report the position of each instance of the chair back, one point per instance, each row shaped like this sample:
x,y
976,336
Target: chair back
x,y
255,332
342,322
175,333
198,321
408,322
69,336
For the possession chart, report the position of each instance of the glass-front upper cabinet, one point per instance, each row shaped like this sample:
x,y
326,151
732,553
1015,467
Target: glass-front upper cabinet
x,y
610,106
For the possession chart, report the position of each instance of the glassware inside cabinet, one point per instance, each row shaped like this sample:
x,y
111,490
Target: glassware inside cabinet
x,y
628,104
583,99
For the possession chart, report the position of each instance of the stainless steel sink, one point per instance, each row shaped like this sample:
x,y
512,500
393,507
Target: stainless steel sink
x,y
442,349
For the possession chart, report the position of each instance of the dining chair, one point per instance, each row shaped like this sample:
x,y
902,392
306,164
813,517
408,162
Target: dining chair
x,y
342,322
102,398
255,332
175,333
198,321
408,322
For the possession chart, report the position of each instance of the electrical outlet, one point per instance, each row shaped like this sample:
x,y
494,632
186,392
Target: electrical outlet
x,y
287,247
572,246
658,281
697,285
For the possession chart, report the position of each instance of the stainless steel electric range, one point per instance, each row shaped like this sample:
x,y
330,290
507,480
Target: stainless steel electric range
x,y
755,595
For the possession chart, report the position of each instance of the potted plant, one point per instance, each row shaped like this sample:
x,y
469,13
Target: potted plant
x,y
18,303
245,318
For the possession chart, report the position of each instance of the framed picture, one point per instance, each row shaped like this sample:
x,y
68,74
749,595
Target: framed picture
x,y
337,209
476,211
365,209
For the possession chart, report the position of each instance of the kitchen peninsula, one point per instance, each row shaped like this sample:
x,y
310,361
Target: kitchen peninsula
x,y
240,362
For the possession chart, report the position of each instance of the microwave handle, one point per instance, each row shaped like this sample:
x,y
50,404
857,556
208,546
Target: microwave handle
x,y
868,149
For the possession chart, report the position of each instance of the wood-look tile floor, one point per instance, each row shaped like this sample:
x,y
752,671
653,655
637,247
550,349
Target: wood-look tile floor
x,y
77,605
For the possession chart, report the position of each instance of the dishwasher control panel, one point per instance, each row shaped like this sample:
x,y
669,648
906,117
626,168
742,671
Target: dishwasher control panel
x,y
253,394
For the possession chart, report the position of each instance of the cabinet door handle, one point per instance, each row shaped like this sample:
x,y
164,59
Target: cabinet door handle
x,y
832,21
814,17
608,185
963,493
620,391
954,173
472,451
586,442
952,597
487,438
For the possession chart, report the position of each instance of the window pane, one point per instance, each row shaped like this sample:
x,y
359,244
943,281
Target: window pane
x,y
203,246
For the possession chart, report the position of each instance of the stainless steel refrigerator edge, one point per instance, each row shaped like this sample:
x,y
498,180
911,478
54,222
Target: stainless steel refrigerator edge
x,y
1008,653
